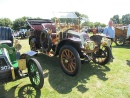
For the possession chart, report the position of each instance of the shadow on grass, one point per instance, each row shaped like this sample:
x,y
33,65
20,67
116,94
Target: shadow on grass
x,y
128,62
63,83
127,46
26,91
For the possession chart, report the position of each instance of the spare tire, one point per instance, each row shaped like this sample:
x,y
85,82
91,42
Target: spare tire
x,y
45,41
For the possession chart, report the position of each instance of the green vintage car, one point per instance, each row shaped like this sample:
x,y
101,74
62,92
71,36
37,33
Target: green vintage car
x,y
13,65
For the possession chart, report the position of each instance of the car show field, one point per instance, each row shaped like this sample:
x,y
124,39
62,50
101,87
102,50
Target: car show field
x,y
57,59
93,81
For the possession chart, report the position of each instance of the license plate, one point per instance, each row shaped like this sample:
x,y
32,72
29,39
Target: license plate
x,y
3,64
4,67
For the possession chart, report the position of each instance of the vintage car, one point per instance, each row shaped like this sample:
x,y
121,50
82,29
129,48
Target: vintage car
x,y
22,33
13,65
63,39
121,35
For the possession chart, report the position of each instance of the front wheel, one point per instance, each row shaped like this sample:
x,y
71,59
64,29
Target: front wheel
x,y
103,56
70,60
35,73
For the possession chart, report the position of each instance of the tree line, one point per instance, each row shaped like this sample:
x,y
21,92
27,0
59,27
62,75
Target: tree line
x,y
17,24
125,19
83,19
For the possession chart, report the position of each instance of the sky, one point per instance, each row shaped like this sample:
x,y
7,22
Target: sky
x,y
96,10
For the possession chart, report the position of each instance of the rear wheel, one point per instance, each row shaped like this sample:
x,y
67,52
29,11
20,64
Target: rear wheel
x,y
70,60
35,73
45,41
32,44
103,56
120,40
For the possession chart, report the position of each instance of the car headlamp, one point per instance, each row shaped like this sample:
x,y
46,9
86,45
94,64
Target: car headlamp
x,y
90,45
105,41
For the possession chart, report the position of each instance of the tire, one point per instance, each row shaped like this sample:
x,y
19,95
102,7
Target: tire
x,y
102,57
35,73
28,91
120,40
33,44
72,52
45,40
22,37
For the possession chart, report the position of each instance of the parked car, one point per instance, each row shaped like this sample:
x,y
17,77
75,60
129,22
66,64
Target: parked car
x,y
13,65
64,39
22,33
120,35
16,34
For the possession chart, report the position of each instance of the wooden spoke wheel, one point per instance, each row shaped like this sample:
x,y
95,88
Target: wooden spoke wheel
x,y
70,60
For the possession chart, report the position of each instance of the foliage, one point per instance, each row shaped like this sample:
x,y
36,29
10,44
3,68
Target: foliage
x,y
85,24
96,24
126,19
19,23
116,19
103,25
91,25
5,22
78,14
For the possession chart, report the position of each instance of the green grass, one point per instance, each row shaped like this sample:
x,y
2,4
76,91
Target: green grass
x,y
93,81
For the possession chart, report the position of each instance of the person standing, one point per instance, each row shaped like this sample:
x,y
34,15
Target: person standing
x,y
110,31
128,32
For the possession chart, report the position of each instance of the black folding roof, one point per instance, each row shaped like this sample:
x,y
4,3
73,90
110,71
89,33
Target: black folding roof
x,y
38,21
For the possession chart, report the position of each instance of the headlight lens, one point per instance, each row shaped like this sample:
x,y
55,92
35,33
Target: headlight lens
x,y
106,42
89,45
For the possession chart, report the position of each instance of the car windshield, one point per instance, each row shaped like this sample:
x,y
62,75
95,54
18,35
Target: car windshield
x,y
65,15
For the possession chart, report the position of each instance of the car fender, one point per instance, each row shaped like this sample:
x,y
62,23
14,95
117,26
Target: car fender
x,y
76,43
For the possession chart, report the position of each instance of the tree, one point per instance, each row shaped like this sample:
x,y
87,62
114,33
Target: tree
x,y
78,14
126,19
116,19
91,24
103,25
5,22
85,24
96,24
120,21
20,23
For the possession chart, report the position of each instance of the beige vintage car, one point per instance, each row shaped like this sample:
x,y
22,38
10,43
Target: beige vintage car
x,y
64,39
120,35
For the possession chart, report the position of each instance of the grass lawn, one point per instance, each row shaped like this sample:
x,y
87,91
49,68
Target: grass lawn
x,y
93,81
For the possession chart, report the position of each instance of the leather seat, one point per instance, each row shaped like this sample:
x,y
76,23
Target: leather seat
x,y
6,34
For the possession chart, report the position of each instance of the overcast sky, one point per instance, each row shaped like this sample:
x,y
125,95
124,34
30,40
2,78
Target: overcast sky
x,y
97,10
